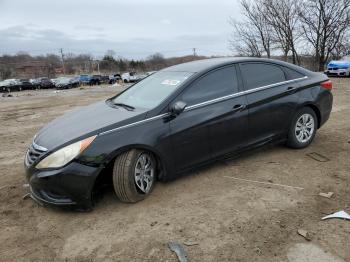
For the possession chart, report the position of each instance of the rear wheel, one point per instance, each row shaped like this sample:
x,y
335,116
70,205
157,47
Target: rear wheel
x,y
134,175
303,128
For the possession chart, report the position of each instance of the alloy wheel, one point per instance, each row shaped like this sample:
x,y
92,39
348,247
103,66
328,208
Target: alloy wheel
x,y
304,128
144,173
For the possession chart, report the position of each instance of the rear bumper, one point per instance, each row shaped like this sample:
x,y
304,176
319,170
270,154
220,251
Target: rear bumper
x,y
325,106
70,186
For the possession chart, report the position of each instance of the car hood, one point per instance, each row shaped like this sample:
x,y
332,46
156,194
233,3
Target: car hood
x,y
84,122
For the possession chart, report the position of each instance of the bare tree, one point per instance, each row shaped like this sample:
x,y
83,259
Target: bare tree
x,y
325,22
244,41
283,17
341,49
156,61
252,36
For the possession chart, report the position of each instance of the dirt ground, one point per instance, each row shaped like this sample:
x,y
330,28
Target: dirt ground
x,y
215,217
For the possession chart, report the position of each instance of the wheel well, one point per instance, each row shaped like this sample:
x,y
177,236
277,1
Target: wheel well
x,y
317,112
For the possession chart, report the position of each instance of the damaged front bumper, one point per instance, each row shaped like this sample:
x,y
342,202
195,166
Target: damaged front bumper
x,y
71,185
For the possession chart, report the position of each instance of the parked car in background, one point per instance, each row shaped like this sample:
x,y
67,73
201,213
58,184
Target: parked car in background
x,y
10,85
45,83
95,80
54,80
114,78
338,68
129,77
66,82
25,84
104,79
35,83
85,79
62,82
5,85
173,121
75,81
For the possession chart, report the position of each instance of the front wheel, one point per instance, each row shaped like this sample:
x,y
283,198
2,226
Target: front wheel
x,y
134,175
303,128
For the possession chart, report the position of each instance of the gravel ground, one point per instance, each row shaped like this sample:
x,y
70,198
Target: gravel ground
x,y
218,217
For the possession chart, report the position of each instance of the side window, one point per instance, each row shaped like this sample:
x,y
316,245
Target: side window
x,y
260,74
215,84
292,74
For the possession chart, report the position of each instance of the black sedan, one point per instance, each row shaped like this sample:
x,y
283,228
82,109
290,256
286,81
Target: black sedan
x,y
45,83
172,121
25,84
66,82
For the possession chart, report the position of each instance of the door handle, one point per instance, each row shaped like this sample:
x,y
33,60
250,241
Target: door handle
x,y
236,108
292,89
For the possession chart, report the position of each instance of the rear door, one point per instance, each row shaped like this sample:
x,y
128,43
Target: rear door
x,y
272,99
214,120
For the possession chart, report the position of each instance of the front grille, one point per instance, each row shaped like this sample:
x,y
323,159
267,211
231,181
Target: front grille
x,y
34,152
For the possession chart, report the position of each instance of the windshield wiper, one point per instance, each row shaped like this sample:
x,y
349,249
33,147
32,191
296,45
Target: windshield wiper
x,y
127,107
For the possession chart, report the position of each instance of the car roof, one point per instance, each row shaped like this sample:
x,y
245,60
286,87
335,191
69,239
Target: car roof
x,y
199,66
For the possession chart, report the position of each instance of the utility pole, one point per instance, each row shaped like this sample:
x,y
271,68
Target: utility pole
x,y
194,51
98,66
62,56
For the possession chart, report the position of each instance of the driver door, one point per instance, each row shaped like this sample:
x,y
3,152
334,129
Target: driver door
x,y
209,125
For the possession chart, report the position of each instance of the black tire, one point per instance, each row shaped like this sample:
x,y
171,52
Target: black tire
x,y
124,171
292,140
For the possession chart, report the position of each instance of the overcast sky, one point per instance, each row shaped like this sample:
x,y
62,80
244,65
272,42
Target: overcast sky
x,y
132,28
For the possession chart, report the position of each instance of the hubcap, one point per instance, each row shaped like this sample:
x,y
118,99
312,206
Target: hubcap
x,y
144,173
304,128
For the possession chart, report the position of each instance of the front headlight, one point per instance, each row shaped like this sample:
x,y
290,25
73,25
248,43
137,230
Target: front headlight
x,y
65,155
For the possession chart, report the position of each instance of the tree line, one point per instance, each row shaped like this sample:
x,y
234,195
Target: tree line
x,y
24,65
293,29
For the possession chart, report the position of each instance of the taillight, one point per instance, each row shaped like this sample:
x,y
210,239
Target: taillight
x,y
327,84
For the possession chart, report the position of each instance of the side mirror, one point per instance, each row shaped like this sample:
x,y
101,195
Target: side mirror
x,y
178,108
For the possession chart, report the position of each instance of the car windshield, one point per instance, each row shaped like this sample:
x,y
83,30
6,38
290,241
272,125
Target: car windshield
x,y
151,91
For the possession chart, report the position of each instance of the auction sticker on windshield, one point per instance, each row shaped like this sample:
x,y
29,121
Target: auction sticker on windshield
x,y
171,82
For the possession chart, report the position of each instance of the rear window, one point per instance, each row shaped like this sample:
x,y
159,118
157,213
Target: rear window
x,y
292,74
260,74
